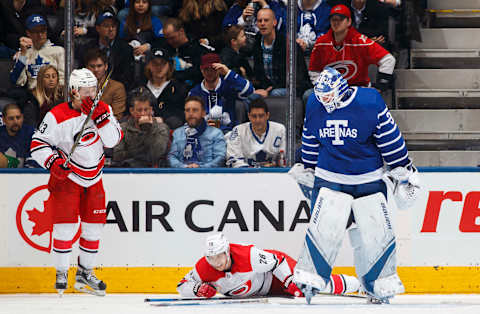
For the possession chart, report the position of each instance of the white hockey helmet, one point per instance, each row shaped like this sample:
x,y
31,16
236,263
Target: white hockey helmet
x,y
330,88
82,78
217,244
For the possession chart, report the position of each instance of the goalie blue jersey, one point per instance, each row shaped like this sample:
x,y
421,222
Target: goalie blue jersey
x,y
351,144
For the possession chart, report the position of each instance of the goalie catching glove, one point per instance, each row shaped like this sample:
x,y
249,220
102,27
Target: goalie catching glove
x,y
406,185
100,115
204,290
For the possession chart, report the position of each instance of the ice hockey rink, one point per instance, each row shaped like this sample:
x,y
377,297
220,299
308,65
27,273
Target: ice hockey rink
x,y
134,303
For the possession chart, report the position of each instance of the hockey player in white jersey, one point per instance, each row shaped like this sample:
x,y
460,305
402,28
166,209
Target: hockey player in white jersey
x,y
350,138
76,190
258,143
243,270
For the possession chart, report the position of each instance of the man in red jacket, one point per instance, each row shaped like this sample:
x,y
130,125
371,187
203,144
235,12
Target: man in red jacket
x,y
350,53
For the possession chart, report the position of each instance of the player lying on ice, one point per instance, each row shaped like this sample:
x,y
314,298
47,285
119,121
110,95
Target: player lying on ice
x,y
244,270
348,140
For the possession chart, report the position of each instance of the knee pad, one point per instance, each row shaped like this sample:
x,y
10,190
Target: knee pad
x,y
325,233
92,231
376,258
64,232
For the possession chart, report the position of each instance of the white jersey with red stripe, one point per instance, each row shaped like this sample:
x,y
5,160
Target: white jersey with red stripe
x,y
251,273
56,134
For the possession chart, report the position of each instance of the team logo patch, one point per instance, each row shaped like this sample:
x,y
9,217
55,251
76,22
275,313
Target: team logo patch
x,y
347,68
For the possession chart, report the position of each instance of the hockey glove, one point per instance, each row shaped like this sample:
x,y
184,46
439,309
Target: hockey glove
x,y
100,115
304,177
406,186
384,81
58,171
204,290
291,287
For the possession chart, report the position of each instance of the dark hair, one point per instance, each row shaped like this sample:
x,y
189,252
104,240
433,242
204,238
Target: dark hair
x,y
10,106
134,21
197,99
258,103
232,33
177,24
141,93
94,54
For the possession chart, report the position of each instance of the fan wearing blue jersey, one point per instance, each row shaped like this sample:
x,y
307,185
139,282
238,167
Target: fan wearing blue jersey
x,y
351,141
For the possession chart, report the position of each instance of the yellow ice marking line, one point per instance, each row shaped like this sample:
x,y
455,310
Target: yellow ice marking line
x,y
163,280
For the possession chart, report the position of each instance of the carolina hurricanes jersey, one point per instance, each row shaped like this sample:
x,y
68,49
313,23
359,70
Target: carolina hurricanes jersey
x,y
351,60
251,273
245,148
56,134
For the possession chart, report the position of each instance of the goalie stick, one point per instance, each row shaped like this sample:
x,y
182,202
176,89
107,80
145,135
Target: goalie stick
x,y
95,103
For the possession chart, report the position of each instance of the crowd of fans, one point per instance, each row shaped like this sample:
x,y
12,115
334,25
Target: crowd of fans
x,y
176,73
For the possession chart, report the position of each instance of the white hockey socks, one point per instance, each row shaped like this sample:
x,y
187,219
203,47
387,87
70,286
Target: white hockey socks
x,y
89,243
62,235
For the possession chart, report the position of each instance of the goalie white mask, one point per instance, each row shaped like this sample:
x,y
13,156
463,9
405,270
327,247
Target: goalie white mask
x,y
82,78
330,88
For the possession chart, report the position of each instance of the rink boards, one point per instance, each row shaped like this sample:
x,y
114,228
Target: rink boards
x,y
158,219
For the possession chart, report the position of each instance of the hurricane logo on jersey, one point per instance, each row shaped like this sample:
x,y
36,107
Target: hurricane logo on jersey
x,y
347,68
242,290
337,129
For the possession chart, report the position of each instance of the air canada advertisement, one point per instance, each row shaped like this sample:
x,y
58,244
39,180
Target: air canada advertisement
x,y
163,219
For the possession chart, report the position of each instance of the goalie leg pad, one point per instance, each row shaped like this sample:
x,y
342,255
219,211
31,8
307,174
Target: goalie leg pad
x,y
375,259
323,239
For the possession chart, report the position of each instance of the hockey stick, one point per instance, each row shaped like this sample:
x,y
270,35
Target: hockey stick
x,y
217,298
327,294
213,302
95,103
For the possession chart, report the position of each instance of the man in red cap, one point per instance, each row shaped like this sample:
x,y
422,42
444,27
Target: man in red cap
x,y
350,53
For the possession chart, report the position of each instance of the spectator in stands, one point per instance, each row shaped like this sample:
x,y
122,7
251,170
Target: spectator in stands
x,y
169,93
258,143
244,13
13,14
231,56
114,93
185,52
369,17
350,53
36,50
219,90
85,15
269,56
196,144
47,94
312,22
160,8
145,140
202,20
15,138
119,53
140,28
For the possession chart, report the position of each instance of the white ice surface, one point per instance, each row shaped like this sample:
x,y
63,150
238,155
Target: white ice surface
x,y
134,303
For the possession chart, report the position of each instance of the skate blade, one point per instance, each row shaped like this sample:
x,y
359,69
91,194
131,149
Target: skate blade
x,y
60,292
81,287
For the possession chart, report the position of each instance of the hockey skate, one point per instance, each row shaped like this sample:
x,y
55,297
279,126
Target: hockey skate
x,y
309,283
86,281
61,282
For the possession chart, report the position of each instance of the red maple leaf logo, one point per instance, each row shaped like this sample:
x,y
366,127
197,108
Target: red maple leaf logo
x,y
42,220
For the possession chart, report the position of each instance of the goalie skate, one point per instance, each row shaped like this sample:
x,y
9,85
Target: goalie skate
x,y
86,281
61,282
309,283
